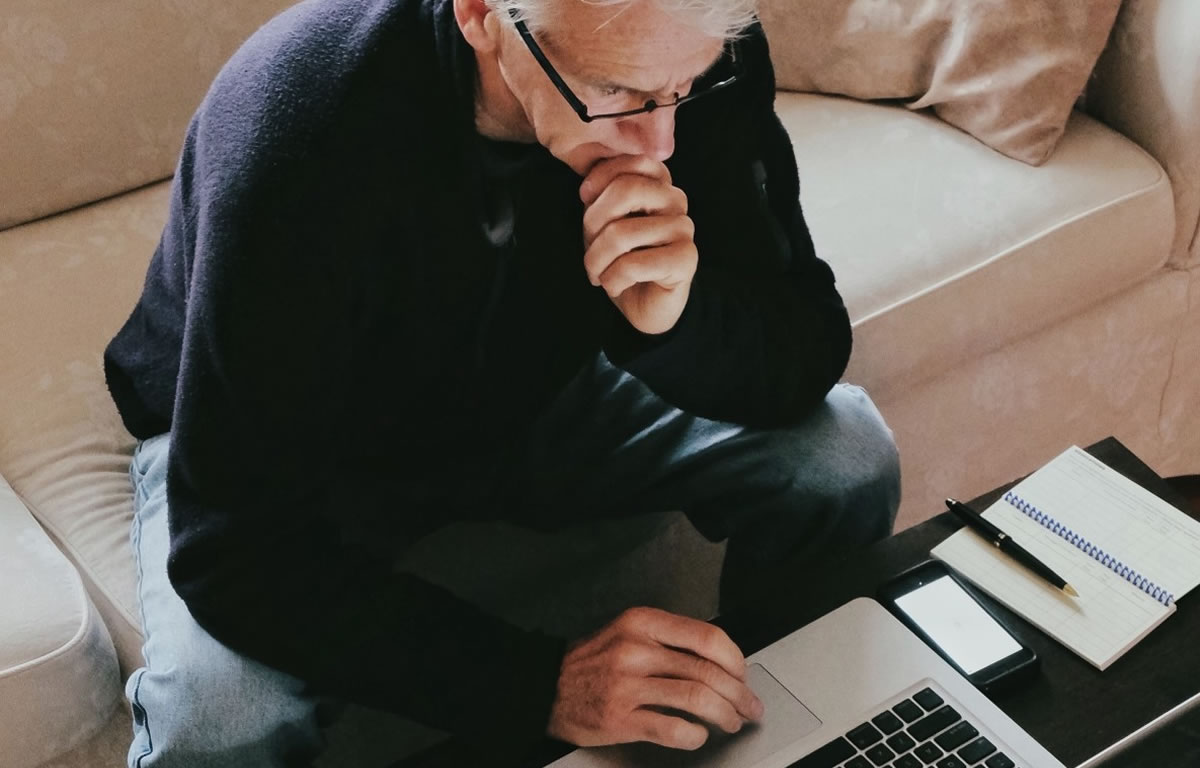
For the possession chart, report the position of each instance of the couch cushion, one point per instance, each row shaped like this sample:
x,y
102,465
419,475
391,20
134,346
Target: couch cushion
x,y
1005,71
58,672
67,283
945,250
95,97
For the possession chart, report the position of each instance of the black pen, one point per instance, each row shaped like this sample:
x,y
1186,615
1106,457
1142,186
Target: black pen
x,y
1004,542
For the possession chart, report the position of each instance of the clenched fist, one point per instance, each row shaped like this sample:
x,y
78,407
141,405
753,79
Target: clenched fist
x,y
633,679
637,240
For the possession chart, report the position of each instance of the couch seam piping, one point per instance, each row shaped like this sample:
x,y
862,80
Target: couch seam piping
x,y
73,556
77,639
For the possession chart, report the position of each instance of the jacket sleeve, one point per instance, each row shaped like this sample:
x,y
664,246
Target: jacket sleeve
x,y
765,334
266,479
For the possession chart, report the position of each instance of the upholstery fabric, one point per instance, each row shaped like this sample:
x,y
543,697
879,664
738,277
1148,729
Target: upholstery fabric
x,y
107,749
1004,71
1179,411
101,93
66,284
1147,86
51,641
1002,415
48,614
956,251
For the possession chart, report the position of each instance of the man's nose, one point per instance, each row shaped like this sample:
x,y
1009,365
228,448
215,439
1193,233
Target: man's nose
x,y
655,133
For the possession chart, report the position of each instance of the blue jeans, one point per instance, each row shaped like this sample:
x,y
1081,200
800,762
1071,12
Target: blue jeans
x,y
608,447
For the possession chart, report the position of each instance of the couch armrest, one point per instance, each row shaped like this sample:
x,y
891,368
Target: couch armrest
x,y
59,683
1147,86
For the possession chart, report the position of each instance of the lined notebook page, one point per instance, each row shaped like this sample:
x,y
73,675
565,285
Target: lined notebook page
x,y
1110,510
1124,519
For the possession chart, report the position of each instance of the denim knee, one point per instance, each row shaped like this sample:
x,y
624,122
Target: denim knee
x,y
229,712
843,470
196,702
868,464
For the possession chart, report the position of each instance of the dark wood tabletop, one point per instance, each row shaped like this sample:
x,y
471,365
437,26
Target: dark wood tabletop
x,y
1072,708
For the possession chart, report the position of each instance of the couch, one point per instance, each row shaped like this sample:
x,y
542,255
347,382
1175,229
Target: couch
x,y
1001,313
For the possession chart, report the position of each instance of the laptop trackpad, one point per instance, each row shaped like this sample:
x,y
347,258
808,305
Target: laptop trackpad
x,y
785,720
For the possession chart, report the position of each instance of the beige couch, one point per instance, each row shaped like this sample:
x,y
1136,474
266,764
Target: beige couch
x,y
1001,313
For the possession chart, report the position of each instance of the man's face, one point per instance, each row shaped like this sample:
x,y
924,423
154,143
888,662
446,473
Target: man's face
x,y
613,58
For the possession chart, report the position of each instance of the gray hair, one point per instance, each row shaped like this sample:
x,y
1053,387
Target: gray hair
x,y
718,18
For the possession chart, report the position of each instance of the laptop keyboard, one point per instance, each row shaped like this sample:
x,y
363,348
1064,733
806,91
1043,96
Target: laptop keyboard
x,y
917,732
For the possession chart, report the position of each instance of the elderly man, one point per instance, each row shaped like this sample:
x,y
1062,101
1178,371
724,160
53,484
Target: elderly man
x,y
440,260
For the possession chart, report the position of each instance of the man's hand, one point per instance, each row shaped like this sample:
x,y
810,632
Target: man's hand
x,y
620,684
637,240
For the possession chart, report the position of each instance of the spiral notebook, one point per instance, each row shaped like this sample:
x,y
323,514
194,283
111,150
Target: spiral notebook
x,y
1130,555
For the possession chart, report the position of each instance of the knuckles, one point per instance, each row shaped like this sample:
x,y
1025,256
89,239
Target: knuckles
x,y
689,226
676,732
688,736
634,192
627,620
627,654
698,697
713,639
624,235
702,670
636,617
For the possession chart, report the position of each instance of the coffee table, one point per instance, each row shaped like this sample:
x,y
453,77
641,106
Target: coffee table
x,y
1073,709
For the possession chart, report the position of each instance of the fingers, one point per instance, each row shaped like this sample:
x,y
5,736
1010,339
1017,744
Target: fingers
x,y
626,236
636,232
679,631
655,661
603,173
628,195
693,698
667,731
624,682
665,267
699,637
686,666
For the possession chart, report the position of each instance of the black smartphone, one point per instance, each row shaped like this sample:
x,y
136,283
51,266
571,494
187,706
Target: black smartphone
x,y
931,601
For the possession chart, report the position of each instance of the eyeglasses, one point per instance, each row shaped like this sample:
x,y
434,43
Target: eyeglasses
x,y
724,74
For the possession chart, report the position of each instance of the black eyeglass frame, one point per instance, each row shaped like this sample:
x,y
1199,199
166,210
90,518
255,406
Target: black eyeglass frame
x,y
581,109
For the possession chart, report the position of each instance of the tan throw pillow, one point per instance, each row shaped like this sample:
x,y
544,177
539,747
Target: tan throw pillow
x,y
1006,71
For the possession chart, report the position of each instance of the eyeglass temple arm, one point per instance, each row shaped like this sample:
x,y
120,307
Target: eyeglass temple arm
x,y
579,107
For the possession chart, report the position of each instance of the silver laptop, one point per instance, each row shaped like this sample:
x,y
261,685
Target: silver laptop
x,y
845,691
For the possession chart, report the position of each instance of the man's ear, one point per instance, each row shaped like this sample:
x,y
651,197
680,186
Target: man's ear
x,y
480,33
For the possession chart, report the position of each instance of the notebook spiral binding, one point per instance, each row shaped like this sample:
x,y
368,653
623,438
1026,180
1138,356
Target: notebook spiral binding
x,y
1090,549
